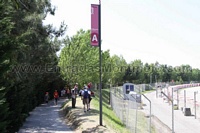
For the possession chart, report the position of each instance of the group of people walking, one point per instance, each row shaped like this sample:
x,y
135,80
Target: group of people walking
x,y
85,93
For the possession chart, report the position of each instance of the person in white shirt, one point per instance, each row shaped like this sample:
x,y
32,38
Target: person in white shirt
x,y
62,92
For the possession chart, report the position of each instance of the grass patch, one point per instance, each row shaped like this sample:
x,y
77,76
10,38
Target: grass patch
x,y
143,125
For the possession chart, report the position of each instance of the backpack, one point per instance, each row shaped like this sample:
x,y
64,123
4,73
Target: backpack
x,y
85,94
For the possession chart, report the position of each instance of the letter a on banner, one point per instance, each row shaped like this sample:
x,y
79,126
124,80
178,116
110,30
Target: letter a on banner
x,y
94,25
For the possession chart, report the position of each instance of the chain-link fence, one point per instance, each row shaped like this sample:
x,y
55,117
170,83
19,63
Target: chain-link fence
x,y
129,110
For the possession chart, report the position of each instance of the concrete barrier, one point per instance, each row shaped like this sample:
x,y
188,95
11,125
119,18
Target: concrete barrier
x,y
187,111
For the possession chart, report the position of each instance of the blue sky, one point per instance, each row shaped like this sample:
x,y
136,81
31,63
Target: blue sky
x,y
167,31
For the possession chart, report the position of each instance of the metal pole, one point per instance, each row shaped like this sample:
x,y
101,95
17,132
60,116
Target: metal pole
x,y
172,111
177,98
184,98
135,98
157,91
149,113
109,94
172,108
100,69
195,109
136,118
150,79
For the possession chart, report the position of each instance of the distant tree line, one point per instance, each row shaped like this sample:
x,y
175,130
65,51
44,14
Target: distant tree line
x,y
79,62
155,72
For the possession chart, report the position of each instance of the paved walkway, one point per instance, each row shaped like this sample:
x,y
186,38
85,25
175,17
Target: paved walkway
x,y
45,119
162,110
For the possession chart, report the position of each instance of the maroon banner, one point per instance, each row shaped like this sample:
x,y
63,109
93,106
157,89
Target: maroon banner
x,y
94,25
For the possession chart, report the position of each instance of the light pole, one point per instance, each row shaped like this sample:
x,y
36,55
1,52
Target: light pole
x,y
96,41
100,69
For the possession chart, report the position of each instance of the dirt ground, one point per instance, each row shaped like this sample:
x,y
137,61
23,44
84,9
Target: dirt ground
x,y
84,122
88,122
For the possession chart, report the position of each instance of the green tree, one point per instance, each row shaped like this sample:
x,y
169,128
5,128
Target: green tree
x,y
26,49
7,46
118,69
78,60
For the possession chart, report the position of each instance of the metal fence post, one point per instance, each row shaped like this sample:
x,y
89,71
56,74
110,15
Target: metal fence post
x,y
149,113
136,118
172,111
172,108
136,112
177,98
184,98
195,109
